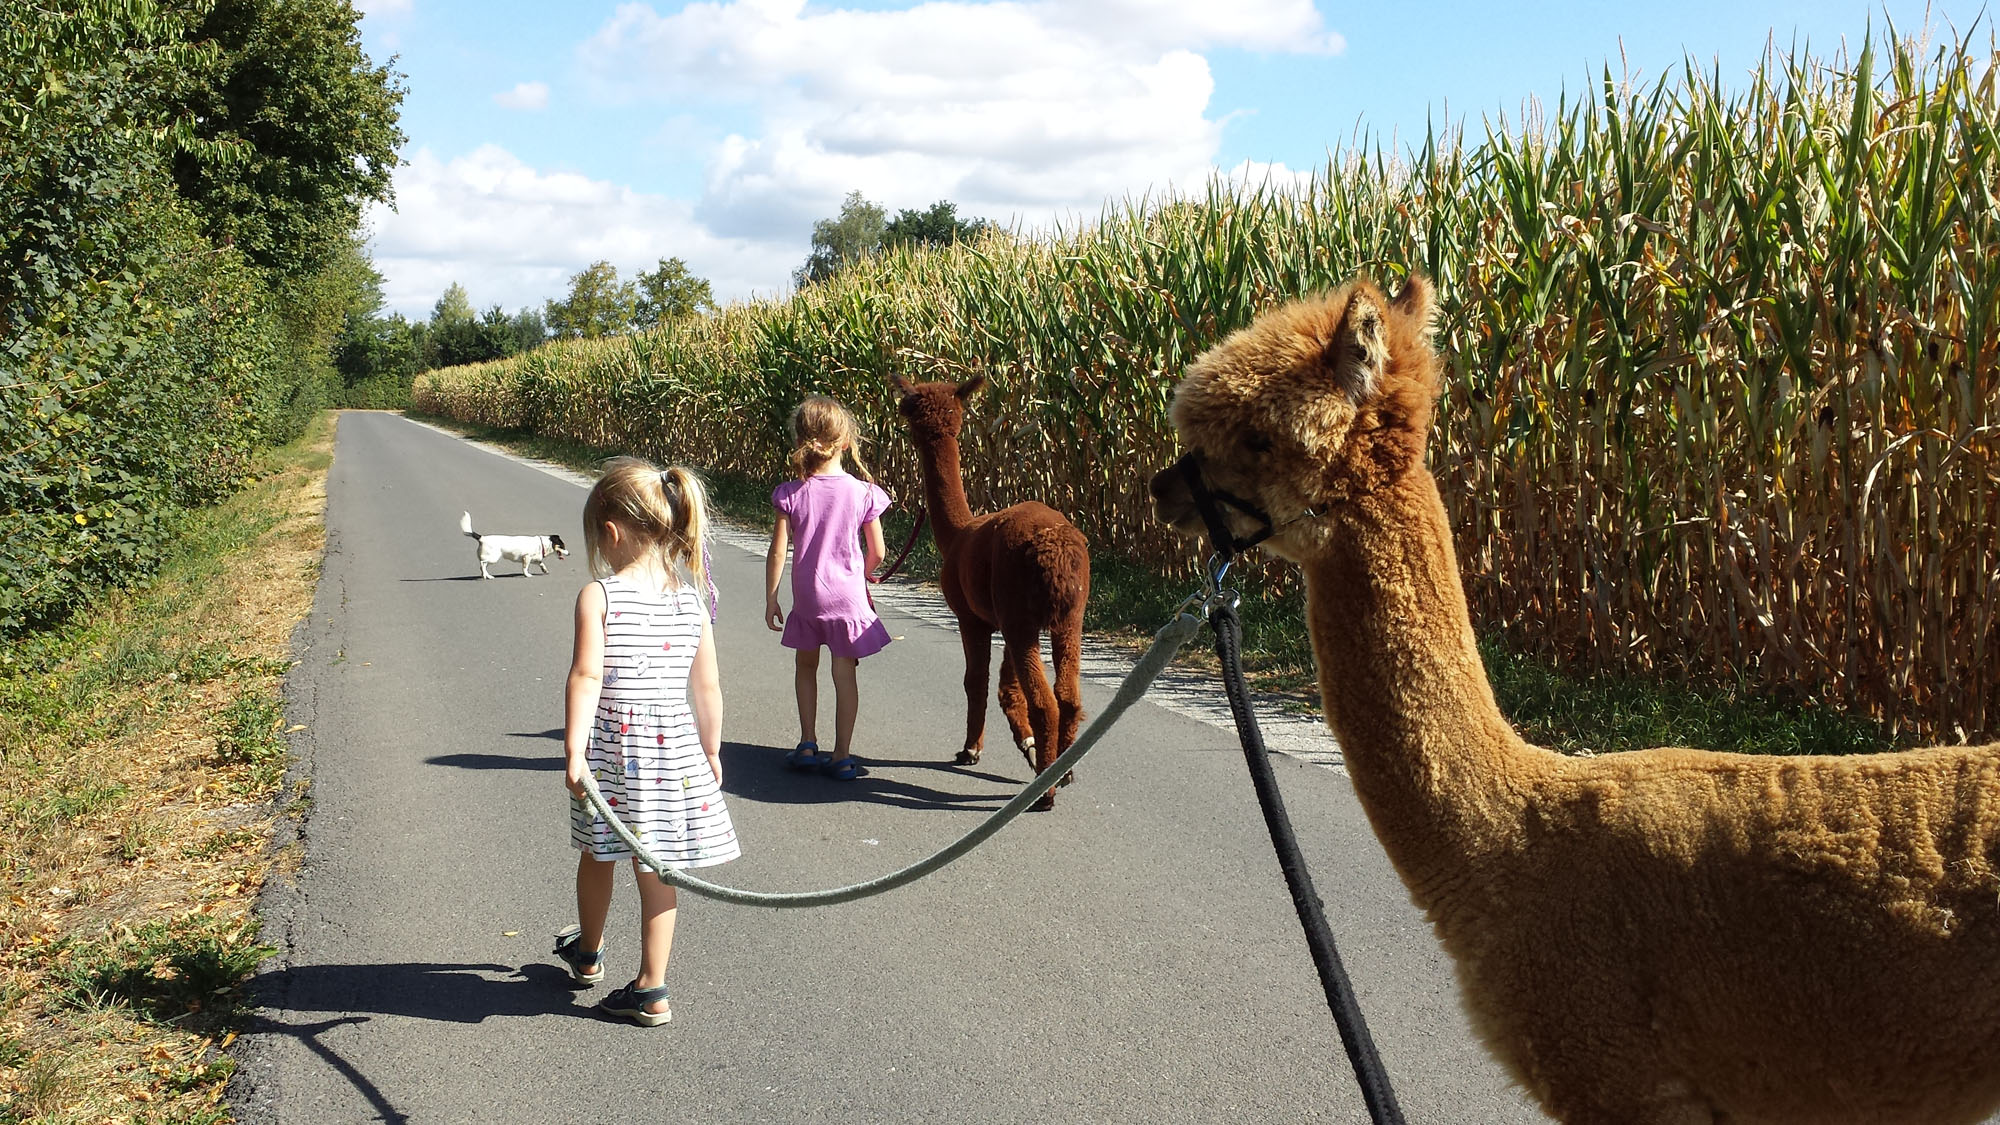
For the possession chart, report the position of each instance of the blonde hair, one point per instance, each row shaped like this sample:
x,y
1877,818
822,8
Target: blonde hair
x,y
667,510
822,430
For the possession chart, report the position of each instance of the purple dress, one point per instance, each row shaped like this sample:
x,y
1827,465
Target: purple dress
x,y
829,586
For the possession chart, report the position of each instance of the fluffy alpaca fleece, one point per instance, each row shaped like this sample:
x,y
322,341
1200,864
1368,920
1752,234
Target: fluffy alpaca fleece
x,y
1663,936
528,550
1019,572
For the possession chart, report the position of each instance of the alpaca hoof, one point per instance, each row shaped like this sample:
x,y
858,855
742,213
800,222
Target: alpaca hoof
x,y
1047,803
1066,778
967,757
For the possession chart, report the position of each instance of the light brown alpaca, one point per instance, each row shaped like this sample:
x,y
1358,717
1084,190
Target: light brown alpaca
x,y
1019,571
1663,936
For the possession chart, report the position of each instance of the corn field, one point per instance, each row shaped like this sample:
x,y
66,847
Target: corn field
x,y
1721,399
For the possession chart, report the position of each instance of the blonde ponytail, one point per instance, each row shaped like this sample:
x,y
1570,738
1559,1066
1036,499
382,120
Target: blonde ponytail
x,y
687,528
668,511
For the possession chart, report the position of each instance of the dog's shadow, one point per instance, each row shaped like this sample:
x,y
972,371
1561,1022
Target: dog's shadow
x,y
463,578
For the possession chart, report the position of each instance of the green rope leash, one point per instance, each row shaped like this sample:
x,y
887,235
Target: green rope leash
x,y
1166,642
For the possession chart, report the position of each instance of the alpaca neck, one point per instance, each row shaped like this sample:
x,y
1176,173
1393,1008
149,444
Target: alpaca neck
x,y
944,490
1439,770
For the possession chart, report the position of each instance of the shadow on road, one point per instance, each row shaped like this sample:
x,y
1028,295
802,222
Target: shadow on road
x,y
451,993
758,773
456,578
494,762
309,1033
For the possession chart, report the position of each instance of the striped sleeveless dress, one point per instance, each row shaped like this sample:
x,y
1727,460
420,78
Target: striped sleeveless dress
x,y
643,746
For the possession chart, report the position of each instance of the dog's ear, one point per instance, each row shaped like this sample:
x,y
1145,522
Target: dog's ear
x,y
970,387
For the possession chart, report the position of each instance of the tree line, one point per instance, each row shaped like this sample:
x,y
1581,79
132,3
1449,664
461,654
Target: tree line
x,y
378,353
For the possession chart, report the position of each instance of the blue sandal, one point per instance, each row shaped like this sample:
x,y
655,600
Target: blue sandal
x,y
631,1002
844,769
584,968
805,756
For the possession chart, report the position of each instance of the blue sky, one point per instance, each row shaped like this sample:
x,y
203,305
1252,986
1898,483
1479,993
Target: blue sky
x,y
543,136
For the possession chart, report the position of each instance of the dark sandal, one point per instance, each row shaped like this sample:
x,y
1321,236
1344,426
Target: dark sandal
x,y
631,1002
844,769
584,968
805,756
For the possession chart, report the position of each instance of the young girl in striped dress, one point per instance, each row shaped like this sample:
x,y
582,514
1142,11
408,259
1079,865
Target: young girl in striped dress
x,y
644,718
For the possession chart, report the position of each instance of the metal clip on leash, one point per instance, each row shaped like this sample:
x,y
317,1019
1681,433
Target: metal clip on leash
x,y
1221,603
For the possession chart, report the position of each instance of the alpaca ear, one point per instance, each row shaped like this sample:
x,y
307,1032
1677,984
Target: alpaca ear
x,y
970,387
1359,353
1418,302
902,386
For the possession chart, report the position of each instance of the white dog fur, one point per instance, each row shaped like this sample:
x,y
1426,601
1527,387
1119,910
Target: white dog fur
x,y
528,550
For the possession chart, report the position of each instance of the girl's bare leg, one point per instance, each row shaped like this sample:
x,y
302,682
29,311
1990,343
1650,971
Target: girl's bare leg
x,y
846,704
805,684
593,900
657,902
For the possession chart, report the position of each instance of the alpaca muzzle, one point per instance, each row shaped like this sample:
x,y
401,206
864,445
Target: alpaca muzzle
x,y
1209,504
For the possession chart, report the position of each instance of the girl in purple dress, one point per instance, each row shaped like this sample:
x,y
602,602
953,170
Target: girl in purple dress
x,y
831,518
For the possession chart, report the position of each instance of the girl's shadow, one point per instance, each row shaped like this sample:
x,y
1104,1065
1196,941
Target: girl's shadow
x,y
758,773
464,993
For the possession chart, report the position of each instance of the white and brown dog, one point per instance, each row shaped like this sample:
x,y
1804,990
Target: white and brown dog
x,y
528,550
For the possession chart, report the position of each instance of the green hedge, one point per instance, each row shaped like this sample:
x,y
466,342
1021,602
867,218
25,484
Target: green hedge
x,y
140,364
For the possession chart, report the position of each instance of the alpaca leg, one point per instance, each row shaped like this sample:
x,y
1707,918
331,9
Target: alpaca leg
x,y
978,641
1024,651
1014,705
1066,652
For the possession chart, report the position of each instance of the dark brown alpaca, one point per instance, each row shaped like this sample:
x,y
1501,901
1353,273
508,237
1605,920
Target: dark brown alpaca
x,y
1020,572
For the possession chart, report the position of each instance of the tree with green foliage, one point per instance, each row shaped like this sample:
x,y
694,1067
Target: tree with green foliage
x,y
527,328
146,355
669,292
847,238
938,226
598,305
293,129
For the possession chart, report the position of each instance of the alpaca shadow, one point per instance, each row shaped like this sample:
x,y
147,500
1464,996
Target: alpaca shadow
x,y
758,773
494,762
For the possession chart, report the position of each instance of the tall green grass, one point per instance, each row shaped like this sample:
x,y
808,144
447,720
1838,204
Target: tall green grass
x,y
1721,397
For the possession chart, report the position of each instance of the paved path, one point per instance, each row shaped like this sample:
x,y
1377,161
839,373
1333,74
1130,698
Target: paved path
x,y
1131,957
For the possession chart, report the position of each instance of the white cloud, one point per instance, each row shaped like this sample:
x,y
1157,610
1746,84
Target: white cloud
x,y
1028,112
513,235
525,95
1012,110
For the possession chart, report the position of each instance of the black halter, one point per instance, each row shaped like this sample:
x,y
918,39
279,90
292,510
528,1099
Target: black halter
x,y
1208,501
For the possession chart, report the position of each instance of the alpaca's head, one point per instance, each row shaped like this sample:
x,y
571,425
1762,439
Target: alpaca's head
x,y
934,410
1315,403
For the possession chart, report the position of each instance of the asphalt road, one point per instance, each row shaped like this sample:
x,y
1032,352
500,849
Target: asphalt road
x,y
1130,957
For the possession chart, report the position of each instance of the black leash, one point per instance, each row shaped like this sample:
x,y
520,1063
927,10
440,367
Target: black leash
x,y
1376,1093
907,544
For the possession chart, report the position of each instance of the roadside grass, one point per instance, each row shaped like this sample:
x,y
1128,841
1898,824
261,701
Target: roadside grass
x,y
142,752
1551,706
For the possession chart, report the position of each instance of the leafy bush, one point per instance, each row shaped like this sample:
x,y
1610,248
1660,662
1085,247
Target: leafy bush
x,y
143,356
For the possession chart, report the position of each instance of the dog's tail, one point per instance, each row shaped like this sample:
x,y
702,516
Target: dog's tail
x,y
465,525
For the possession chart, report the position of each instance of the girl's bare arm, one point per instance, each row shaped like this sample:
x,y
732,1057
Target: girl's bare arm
x,y
705,697
774,569
873,554
586,681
